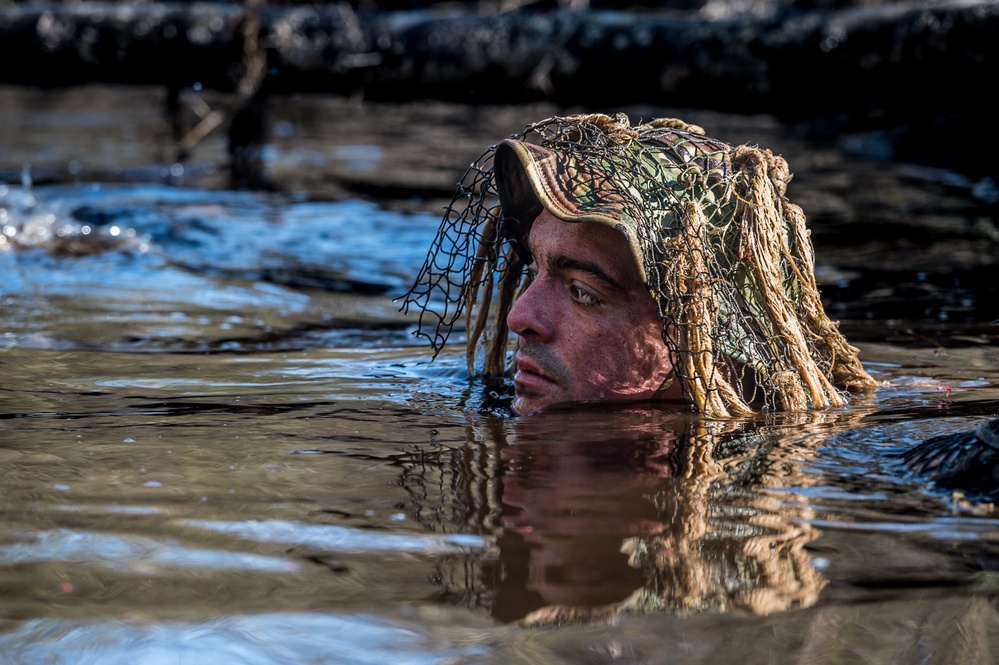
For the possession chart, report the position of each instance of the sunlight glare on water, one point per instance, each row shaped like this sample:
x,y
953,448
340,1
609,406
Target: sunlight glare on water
x,y
260,639
186,282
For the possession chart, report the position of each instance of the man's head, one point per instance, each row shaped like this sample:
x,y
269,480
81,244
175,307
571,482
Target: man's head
x,y
636,263
588,329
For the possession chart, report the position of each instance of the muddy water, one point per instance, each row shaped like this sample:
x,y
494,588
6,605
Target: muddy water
x,y
220,441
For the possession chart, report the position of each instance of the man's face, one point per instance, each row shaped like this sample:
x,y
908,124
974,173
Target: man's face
x,y
588,328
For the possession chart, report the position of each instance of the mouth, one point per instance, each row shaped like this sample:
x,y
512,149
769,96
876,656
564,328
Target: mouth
x,y
530,377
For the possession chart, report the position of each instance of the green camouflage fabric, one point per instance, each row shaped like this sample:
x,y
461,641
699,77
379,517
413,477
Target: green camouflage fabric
x,y
723,253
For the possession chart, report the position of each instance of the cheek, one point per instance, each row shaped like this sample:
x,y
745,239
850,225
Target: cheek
x,y
632,358
623,349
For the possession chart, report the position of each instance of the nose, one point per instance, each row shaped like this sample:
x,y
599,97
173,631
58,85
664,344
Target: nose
x,y
529,315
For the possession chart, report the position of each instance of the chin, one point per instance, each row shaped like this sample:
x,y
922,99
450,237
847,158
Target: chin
x,y
525,406
518,407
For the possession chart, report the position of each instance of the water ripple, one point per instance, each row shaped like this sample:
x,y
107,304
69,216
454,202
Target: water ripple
x,y
344,539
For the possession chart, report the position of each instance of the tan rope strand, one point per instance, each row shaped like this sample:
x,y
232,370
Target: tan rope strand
x,y
495,362
843,358
764,246
480,278
822,338
712,394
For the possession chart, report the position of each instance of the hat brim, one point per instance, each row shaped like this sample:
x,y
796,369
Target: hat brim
x,y
531,178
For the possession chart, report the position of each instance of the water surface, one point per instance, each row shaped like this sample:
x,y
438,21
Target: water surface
x,y
221,442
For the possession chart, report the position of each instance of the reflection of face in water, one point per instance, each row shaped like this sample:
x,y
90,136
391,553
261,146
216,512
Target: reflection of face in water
x,y
632,508
602,511
575,486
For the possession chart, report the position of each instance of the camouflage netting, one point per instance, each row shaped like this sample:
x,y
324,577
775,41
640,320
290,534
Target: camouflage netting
x,y
725,255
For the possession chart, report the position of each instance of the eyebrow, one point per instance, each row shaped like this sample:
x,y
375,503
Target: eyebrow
x,y
563,262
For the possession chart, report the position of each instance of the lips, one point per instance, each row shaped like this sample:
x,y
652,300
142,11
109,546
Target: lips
x,y
530,377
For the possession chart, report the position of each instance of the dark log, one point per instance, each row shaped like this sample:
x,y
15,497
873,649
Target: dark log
x,y
869,61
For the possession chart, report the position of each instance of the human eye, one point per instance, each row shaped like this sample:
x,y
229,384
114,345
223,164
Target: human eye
x,y
583,297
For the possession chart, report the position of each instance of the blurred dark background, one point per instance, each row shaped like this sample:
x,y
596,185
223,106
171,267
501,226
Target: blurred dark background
x,y
917,73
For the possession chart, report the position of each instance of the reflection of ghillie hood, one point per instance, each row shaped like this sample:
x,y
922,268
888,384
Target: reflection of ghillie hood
x,y
724,254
